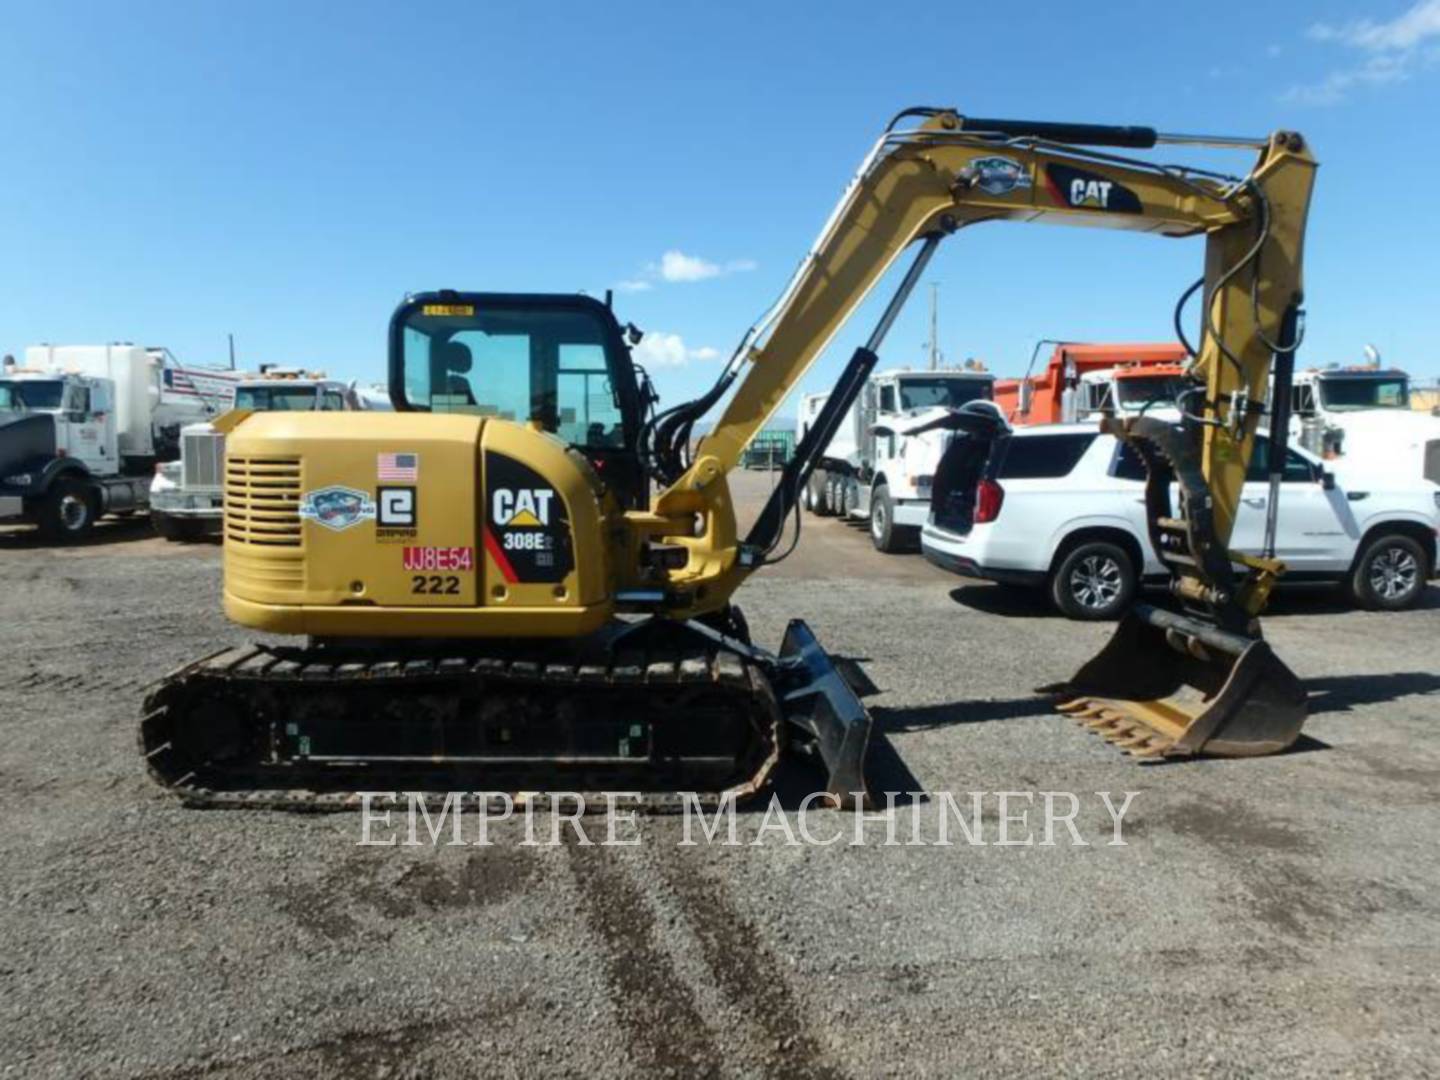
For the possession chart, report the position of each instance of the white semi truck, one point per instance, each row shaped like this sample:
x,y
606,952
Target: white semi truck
x,y
187,496
873,469
1360,417
83,426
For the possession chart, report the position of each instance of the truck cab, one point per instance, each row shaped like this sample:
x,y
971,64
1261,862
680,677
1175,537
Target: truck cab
x,y
878,468
1360,419
81,428
1127,390
187,496
81,408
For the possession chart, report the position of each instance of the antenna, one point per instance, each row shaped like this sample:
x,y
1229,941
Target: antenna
x,y
934,345
232,351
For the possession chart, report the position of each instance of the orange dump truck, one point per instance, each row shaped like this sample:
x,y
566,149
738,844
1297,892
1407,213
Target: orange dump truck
x,y
1082,380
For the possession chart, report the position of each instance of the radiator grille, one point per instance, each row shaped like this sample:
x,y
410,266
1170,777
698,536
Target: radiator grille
x,y
1432,460
262,501
202,460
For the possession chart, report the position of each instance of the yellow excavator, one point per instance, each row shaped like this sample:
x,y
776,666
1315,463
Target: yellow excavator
x,y
495,597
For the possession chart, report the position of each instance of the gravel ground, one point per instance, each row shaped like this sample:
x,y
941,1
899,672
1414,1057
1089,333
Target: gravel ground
x,y
1278,915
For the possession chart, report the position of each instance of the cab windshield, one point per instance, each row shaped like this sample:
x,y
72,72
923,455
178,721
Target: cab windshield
x,y
950,393
276,398
553,363
1149,391
1342,395
17,395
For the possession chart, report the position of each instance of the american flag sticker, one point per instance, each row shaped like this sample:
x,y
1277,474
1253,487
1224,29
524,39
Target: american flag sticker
x,y
404,467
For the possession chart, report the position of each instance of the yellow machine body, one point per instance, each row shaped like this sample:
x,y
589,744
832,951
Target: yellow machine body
x,y
410,525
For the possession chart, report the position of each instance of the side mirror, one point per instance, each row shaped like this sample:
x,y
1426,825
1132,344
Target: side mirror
x,y
1327,480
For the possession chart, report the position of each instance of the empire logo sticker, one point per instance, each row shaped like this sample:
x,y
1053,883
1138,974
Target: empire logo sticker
x,y
523,508
397,514
337,508
1085,190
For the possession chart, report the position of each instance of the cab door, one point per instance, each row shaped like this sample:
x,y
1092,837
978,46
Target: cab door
x,y
86,412
1311,534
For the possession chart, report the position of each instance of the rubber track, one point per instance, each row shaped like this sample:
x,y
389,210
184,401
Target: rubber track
x,y
260,670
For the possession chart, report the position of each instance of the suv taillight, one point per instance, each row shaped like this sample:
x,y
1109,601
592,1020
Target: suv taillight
x,y
989,497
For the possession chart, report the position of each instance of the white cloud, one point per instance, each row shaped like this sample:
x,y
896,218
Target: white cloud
x,y
1395,49
1405,31
677,266
658,349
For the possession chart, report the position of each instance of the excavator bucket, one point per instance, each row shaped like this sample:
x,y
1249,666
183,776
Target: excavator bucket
x,y
1167,685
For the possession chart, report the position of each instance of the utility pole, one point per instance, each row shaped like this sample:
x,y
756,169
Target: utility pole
x,y
934,326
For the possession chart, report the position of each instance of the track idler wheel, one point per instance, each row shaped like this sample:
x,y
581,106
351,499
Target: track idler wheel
x,y
1167,685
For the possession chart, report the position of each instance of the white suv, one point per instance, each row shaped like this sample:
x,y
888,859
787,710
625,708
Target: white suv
x,y
1061,506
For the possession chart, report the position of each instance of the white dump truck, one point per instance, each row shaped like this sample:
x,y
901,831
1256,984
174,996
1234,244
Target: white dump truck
x,y
875,469
83,426
1361,419
187,496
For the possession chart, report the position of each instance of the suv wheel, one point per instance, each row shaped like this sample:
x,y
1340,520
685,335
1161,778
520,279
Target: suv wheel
x,y
1095,580
1390,574
68,511
883,533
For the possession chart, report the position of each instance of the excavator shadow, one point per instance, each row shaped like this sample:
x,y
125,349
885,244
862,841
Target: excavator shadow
x,y
1342,693
885,770
1003,600
950,714
1307,599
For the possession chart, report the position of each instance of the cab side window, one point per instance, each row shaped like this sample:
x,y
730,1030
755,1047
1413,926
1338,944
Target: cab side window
x,y
1127,464
1297,469
1043,457
332,401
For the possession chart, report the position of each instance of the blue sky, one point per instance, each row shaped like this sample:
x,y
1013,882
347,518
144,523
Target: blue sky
x,y
285,172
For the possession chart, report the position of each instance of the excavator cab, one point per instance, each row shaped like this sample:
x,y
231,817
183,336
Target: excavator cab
x,y
559,363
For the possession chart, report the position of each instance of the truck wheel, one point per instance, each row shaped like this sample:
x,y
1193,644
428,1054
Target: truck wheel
x,y
171,528
1094,581
1390,574
68,511
820,495
883,532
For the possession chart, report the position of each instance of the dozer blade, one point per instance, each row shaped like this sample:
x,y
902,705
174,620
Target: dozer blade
x,y
817,699
1167,685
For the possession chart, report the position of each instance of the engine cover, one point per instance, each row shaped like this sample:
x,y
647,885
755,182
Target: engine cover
x,y
410,525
